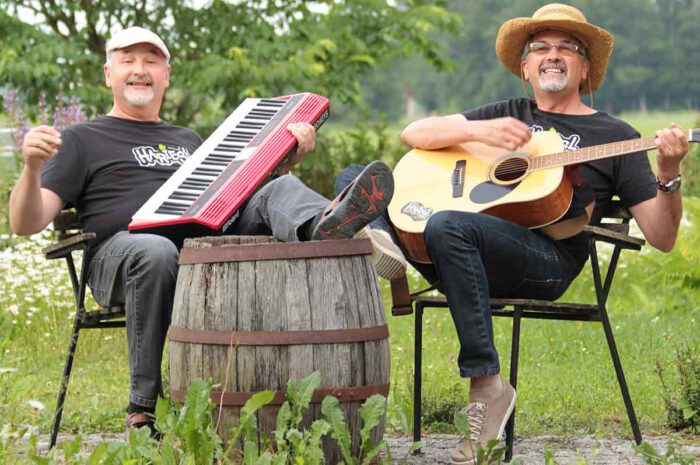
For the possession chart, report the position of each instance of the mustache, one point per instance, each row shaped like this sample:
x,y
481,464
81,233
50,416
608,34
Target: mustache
x,y
557,64
143,78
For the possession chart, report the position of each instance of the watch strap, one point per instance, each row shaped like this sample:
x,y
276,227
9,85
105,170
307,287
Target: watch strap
x,y
670,186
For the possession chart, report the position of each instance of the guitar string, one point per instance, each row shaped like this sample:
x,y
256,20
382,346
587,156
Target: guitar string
x,y
510,170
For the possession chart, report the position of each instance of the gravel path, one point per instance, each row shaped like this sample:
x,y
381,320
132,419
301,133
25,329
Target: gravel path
x,y
529,450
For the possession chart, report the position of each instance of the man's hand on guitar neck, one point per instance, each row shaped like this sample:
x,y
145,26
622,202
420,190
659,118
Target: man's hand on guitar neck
x,y
672,145
445,131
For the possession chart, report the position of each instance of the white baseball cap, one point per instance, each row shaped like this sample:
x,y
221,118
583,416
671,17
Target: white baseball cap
x,y
136,35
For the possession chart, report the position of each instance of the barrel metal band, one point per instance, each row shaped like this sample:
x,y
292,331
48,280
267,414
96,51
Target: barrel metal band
x,y
343,394
265,338
275,251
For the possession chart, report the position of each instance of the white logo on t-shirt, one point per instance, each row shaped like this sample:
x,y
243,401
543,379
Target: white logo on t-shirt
x,y
162,155
570,143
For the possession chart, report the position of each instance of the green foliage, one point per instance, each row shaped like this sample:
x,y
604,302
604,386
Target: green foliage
x,y
222,51
372,414
642,73
683,408
336,150
690,168
189,434
673,455
492,454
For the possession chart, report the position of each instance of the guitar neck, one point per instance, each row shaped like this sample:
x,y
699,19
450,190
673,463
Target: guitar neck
x,y
599,152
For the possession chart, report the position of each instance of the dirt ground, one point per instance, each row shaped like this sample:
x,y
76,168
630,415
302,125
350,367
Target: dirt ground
x,y
529,450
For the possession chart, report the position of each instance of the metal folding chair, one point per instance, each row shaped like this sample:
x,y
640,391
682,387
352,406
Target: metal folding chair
x,y
72,238
614,231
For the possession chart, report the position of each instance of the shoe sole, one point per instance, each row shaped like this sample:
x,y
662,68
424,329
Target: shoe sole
x,y
364,200
386,263
500,430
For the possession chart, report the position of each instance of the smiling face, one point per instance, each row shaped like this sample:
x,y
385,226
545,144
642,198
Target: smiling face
x,y
556,66
138,76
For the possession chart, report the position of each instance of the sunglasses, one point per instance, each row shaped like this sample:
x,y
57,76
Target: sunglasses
x,y
542,47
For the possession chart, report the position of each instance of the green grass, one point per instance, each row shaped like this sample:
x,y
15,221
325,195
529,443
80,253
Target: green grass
x,y
648,123
566,383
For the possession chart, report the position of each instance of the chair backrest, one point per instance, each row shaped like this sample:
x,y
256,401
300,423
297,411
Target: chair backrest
x,y
67,224
617,218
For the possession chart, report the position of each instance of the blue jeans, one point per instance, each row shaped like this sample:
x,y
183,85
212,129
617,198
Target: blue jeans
x,y
139,272
476,256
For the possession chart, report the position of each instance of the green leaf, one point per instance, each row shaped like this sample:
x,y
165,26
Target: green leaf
x,y
461,423
363,58
372,412
330,408
256,402
250,452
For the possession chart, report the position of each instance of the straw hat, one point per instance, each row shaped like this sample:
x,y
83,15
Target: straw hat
x,y
514,33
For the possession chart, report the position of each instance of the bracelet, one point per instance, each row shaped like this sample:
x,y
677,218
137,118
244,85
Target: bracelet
x,y
669,187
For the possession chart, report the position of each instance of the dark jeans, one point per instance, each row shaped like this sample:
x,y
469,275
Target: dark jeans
x,y
476,256
139,271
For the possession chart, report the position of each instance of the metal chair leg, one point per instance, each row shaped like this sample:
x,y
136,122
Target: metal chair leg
x,y
621,378
602,290
65,380
514,352
417,373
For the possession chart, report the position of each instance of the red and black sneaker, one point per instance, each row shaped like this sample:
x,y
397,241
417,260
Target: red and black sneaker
x,y
361,202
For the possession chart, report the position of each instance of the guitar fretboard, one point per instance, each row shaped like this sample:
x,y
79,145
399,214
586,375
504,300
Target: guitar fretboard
x,y
594,152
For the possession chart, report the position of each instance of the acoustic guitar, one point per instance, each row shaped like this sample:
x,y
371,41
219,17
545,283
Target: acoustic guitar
x,y
532,187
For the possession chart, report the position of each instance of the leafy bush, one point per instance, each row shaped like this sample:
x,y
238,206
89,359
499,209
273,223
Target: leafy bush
x,y
683,408
336,150
64,112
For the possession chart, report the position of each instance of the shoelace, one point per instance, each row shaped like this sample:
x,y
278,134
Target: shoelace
x,y
476,411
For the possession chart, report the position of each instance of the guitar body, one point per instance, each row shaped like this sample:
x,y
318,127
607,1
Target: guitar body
x,y
478,178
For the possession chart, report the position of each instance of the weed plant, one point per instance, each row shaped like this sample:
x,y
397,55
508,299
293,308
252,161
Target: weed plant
x,y
683,407
189,434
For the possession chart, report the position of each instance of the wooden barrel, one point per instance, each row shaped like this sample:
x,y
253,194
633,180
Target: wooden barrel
x,y
251,313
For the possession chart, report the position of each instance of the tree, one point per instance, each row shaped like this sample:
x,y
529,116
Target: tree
x,y
221,52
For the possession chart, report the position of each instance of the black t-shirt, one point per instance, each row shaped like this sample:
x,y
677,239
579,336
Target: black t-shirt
x,y
630,176
109,167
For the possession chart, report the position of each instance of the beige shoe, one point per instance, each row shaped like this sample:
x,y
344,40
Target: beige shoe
x,y
387,257
488,412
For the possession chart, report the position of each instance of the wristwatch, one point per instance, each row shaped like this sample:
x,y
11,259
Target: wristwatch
x,y
669,187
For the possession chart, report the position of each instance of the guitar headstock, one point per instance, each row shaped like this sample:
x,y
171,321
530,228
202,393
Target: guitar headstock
x,y
694,135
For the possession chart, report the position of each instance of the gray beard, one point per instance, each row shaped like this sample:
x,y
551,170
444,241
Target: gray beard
x,y
141,99
548,84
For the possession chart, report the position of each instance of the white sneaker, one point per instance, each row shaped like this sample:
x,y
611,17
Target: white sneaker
x,y
388,259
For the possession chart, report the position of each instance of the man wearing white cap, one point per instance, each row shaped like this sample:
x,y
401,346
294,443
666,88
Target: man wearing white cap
x,y
108,168
475,256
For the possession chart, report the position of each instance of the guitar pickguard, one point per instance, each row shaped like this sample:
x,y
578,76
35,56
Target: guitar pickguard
x,y
489,192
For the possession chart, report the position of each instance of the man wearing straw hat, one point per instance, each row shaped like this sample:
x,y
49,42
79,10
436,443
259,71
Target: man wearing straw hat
x,y
474,256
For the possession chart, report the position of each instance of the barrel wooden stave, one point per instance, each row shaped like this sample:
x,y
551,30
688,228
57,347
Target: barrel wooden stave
x,y
338,293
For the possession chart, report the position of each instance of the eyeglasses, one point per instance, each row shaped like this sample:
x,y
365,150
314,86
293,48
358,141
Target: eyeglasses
x,y
542,47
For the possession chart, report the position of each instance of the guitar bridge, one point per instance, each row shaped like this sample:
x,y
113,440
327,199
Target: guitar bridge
x,y
458,178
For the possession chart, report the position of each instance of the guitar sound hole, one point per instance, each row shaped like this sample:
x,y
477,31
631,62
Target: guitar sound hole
x,y
511,169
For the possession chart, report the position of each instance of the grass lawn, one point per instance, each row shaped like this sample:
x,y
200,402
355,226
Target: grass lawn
x,y
648,123
567,383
